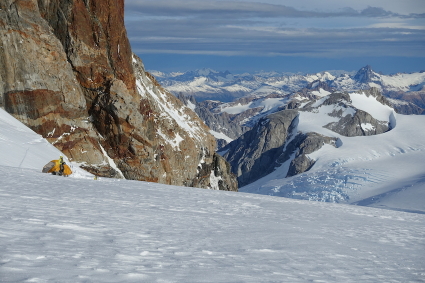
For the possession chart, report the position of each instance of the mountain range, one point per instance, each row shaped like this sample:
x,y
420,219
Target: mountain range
x,y
344,147
208,84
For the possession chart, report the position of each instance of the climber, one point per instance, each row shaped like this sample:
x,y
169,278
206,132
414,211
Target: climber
x,y
57,167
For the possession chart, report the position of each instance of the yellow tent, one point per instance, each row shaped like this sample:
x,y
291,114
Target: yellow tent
x,y
57,167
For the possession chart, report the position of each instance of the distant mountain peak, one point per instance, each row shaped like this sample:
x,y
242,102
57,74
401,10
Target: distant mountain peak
x,y
206,71
365,75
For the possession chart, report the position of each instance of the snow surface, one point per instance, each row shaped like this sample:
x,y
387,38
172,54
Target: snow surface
x,y
372,106
218,135
236,109
321,92
128,231
56,229
191,105
267,104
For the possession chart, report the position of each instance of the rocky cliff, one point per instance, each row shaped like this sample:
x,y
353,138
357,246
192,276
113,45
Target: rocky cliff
x,y
272,142
67,71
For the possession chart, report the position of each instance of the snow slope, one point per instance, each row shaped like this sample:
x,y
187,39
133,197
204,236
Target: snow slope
x,y
20,147
266,104
129,231
56,229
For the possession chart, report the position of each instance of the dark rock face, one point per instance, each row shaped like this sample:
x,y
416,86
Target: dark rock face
x,y
303,145
414,98
365,75
361,124
273,141
254,154
406,108
67,71
318,84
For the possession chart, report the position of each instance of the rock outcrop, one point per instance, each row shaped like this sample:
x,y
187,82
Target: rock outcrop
x,y
405,102
359,123
301,147
39,87
350,121
67,71
254,154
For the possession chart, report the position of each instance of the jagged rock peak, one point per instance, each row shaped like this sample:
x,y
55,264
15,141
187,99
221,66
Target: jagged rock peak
x,y
365,75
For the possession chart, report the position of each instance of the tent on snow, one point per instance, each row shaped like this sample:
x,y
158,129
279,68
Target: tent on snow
x,y
57,167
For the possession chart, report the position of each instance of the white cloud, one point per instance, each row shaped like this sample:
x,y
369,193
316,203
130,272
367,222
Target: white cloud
x,y
396,25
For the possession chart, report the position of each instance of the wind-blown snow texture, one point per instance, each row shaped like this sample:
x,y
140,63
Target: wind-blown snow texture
x,y
71,230
56,229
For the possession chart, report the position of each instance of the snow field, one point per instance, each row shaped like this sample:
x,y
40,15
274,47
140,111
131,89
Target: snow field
x,y
268,105
372,106
73,230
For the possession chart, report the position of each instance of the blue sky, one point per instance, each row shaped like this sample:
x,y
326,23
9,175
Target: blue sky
x,y
290,35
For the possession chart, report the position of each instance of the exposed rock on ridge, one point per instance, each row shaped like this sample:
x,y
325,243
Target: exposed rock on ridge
x,y
67,71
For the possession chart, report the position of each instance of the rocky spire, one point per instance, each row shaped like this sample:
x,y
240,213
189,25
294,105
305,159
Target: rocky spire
x,y
365,75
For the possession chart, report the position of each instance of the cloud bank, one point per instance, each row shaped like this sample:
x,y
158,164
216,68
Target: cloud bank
x,y
244,28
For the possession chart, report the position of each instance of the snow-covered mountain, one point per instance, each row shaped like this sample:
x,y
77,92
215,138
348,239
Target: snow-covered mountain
x,y
228,120
207,84
322,145
76,229
351,148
